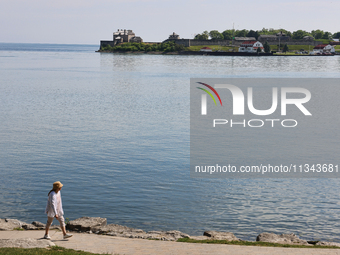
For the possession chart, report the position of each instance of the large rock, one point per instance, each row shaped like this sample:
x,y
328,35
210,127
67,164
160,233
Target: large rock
x,y
25,243
118,230
10,224
122,231
84,224
176,234
328,244
215,235
282,239
31,227
36,225
172,235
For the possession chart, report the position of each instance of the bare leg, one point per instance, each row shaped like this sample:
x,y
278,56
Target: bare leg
x,y
48,225
63,229
62,223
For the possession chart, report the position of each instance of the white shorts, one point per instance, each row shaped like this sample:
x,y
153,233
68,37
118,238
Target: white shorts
x,y
60,219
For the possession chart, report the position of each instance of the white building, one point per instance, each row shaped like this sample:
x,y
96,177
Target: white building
x,y
323,48
250,46
125,36
174,36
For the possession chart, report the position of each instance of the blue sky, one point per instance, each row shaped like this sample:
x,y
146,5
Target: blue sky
x,y
88,22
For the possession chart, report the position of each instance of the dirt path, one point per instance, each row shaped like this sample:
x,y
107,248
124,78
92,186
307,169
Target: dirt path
x,y
117,245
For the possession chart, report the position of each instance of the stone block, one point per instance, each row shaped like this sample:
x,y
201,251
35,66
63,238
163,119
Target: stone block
x,y
216,235
10,224
328,244
283,239
84,224
25,243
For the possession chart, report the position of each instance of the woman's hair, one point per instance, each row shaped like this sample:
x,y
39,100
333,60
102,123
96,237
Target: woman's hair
x,y
51,191
56,186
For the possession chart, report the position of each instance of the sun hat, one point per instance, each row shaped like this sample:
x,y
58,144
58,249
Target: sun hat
x,y
57,185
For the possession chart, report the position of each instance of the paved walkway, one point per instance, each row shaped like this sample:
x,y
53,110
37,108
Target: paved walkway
x,y
126,246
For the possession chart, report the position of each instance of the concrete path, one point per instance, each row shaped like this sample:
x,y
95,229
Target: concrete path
x,y
126,246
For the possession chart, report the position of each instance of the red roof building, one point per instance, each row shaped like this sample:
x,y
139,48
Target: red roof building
x,y
320,46
250,46
323,48
248,43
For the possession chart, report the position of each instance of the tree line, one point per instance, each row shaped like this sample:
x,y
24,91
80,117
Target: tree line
x,y
163,47
298,34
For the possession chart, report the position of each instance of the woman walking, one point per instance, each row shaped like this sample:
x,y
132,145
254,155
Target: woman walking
x,y
54,209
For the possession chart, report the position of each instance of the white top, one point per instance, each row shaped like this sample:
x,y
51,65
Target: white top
x,y
54,206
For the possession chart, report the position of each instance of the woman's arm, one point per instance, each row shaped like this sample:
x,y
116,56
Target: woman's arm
x,y
54,203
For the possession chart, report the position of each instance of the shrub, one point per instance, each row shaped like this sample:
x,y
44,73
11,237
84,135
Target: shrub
x,y
266,47
285,48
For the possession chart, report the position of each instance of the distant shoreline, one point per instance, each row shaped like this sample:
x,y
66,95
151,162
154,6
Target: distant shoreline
x,y
194,53
140,52
202,53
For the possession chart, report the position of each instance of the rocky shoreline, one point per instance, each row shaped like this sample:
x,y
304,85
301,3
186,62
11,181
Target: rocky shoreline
x,y
97,225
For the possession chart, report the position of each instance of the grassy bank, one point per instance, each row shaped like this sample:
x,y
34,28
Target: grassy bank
x,y
246,243
295,47
287,54
172,48
213,47
300,47
291,48
324,41
55,250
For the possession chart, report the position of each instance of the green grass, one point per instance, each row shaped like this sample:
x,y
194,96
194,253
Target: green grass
x,y
246,243
286,54
337,47
213,47
300,47
37,251
324,41
291,48
294,47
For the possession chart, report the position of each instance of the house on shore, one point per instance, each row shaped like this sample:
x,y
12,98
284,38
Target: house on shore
x,y
251,46
121,36
324,48
125,36
173,36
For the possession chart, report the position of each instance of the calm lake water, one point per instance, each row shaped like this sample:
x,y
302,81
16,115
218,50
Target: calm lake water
x,y
114,129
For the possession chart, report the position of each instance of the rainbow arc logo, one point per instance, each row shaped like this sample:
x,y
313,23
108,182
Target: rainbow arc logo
x,y
209,93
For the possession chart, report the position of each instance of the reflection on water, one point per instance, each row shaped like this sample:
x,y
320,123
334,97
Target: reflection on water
x,y
115,130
